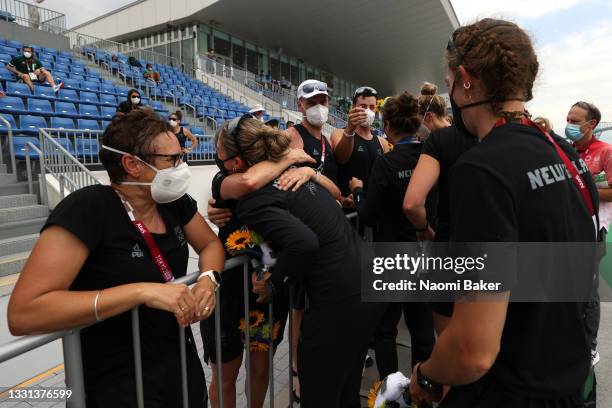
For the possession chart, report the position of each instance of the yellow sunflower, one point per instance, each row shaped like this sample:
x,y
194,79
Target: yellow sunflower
x,y
255,319
275,330
257,346
373,394
238,240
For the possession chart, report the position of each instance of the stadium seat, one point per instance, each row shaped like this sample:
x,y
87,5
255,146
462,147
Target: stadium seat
x,y
107,112
68,95
88,124
63,61
62,123
197,131
62,68
41,107
13,105
65,54
18,45
30,124
5,58
49,50
105,124
78,77
6,75
87,148
89,97
90,86
17,89
11,120
65,109
72,84
66,144
122,91
108,100
89,111
8,50
20,142
45,92
107,89
78,70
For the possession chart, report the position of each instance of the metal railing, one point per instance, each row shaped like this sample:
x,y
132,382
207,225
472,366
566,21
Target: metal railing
x,y
32,16
11,146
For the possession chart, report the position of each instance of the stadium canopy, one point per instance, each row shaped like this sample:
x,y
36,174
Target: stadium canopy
x,y
392,45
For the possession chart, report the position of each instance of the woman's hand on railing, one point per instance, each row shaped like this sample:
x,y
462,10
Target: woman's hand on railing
x,y
259,286
204,294
174,298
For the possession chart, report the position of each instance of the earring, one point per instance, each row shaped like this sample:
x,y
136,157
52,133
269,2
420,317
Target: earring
x,y
467,85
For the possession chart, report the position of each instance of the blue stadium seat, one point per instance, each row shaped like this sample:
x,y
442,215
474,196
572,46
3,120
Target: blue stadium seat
x,y
107,89
77,70
88,124
66,144
122,91
5,58
108,100
89,97
40,107
6,75
65,54
105,124
20,142
78,63
63,61
11,121
61,68
197,131
78,77
90,86
87,148
17,89
49,50
158,106
107,112
45,92
46,57
68,95
62,123
95,80
30,124
13,105
72,84
89,111
66,109
8,50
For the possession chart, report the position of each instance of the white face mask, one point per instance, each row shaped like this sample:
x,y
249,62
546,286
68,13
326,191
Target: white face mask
x,y
135,100
317,115
27,54
172,123
370,119
168,185
423,132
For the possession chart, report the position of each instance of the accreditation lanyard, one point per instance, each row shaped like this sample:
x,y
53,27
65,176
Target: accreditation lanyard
x,y
320,168
408,140
576,177
156,254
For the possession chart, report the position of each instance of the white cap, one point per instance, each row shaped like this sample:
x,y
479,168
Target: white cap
x,y
321,89
257,108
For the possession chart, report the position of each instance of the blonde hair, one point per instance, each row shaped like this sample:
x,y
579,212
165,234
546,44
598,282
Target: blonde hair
x,y
254,142
429,99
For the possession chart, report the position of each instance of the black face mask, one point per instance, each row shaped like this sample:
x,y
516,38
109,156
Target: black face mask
x,y
220,163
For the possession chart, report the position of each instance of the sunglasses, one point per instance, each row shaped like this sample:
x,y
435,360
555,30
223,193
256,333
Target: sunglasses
x,y
365,91
176,158
315,86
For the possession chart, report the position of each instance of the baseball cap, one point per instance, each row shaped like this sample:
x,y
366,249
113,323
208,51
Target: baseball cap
x,y
310,88
257,108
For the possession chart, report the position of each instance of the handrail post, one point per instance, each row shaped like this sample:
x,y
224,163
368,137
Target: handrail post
x,y
73,366
137,357
28,168
10,142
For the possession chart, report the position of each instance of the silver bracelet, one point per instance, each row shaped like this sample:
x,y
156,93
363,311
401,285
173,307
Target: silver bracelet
x,y
95,305
350,136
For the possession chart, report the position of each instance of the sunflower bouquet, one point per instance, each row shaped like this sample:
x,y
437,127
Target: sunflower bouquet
x,y
259,330
242,240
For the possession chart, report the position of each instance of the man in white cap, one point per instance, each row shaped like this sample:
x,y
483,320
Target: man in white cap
x,y
258,111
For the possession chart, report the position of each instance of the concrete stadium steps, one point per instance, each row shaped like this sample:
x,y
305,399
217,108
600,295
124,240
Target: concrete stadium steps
x,y
19,200
7,178
15,245
3,168
9,215
12,264
13,188
19,228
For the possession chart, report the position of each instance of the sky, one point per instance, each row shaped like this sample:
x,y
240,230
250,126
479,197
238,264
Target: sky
x,y
573,40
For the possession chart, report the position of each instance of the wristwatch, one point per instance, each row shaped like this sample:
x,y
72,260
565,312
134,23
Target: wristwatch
x,y
430,387
214,277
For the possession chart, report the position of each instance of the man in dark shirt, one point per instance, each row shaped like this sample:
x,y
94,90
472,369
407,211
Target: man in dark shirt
x,y
29,69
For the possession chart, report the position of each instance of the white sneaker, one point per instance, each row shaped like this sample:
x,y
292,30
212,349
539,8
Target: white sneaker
x,y
595,357
56,88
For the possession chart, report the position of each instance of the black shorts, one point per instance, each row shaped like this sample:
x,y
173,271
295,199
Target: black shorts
x,y
232,320
443,308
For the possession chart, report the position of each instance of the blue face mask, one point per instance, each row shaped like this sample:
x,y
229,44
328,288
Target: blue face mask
x,y
572,132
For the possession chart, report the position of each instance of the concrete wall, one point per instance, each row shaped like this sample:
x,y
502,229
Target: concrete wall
x,y
26,35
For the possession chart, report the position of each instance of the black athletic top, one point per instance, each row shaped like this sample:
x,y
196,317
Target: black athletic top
x,y
511,188
317,245
381,206
360,163
180,135
119,255
313,147
25,66
446,145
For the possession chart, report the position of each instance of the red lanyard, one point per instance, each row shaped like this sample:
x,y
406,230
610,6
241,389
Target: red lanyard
x,y
322,153
578,181
156,254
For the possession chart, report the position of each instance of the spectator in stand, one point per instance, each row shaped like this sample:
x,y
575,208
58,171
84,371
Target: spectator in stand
x,y
29,70
269,80
545,123
258,112
132,102
33,13
181,133
151,74
114,58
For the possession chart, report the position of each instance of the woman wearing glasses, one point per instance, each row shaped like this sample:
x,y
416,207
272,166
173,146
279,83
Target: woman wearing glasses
x,y
108,249
318,248
181,133
355,148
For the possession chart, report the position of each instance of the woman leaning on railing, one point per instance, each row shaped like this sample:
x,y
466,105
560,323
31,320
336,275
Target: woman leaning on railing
x,y
107,249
